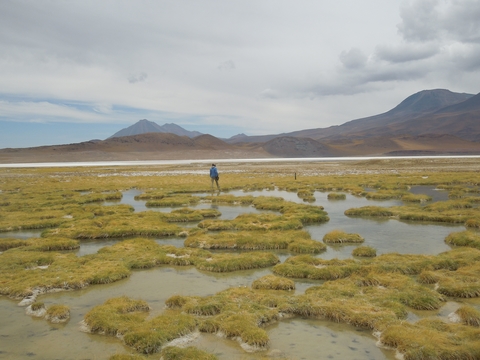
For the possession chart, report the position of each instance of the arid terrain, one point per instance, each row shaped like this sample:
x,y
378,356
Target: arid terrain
x,y
158,146
431,122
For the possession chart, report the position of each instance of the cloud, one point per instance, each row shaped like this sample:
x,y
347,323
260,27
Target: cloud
x,y
269,94
405,52
435,20
44,111
466,58
316,62
420,20
134,78
353,59
461,21
228,65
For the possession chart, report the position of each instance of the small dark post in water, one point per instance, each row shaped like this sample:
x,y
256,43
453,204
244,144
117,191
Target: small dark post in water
x,y
295,176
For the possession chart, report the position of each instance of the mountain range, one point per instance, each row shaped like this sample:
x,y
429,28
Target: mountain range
x,y
144,126
430,122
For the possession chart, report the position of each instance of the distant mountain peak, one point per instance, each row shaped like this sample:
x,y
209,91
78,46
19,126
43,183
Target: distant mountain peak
x,y
426,101
145,126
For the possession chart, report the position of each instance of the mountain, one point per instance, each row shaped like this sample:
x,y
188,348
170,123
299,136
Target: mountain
x,y
289,146
461,120
430,122
144,126
421,104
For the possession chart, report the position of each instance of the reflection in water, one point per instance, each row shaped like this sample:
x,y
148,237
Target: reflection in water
x,y
22,337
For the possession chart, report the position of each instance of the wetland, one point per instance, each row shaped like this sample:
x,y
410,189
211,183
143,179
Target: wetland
x,y
360,259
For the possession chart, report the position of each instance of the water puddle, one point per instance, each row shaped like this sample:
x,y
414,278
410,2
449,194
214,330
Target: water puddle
x,y
22,234
433,192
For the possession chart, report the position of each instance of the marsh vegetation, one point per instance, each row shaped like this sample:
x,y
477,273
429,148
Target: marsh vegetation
x,y
370,289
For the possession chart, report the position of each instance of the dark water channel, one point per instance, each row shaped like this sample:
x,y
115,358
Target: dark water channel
x,y
23,337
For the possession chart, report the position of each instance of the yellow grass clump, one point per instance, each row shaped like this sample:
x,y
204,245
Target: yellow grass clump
x,y
336,196
294,240
10,243
468,315
309,267
149,223
235,262
433,339
127,318
187,214
126,357
272,282
341,237
190,352
58,313
385,195
364,251
173,200
369,211
464,238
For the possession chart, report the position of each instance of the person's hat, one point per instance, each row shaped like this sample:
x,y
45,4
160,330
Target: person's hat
x,y
213,164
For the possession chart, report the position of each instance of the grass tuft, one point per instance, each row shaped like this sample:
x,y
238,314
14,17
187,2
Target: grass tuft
x,y
468,315
272,282
336,196
190,352
58,313
364,251
341,237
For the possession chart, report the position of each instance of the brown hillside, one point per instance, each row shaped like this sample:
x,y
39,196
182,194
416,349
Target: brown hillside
x,y
149,146
289,146
405,145
211,142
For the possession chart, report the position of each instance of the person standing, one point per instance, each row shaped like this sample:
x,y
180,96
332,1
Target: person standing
x,y
214,176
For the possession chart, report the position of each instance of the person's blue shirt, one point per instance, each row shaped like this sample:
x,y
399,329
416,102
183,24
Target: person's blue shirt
x,y
213,172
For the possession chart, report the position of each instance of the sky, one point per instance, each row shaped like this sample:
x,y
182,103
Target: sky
x,y
72,71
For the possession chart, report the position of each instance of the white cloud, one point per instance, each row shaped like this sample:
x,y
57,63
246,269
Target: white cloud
x,y
44,112
405,52
134,78
228,65
261,65
353,59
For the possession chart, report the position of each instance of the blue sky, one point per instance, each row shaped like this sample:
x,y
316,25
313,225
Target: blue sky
x,y
81,70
